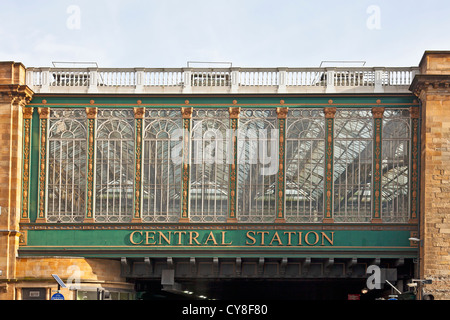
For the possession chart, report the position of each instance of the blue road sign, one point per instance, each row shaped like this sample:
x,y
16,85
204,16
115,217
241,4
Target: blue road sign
x,y
57,296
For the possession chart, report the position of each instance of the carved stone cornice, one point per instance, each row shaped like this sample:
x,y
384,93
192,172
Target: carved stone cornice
x,y
15,94
433,83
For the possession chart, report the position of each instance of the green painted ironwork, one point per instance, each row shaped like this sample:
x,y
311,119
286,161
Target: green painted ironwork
x,y
91,147
179,242
185,198
38,141
281,181
138,187
415,154
329,160
26,163
233,168
377,113
44,114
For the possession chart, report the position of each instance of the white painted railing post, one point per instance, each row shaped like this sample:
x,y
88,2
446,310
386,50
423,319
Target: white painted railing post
x,y
29,76
330,88
140,75
235,79
187,78
414,72
379,74
282,74
45,78
93,76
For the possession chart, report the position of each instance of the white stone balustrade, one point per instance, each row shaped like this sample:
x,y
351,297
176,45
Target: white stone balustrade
x,y
220,80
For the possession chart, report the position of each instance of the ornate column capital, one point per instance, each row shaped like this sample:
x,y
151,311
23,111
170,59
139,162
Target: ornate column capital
x,y
28,112
330,112
282,112
44,113
414,112
234,112
186,112
377,112
139,112
91,112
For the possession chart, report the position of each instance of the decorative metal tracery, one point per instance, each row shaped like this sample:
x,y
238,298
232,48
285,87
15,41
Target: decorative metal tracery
x,y
202,165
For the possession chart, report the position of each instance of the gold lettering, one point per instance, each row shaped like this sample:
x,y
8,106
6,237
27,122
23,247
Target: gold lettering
x,y
148,237
289,233
325,236
223,239
307,238
191,238
132,237
276,237
300,238
162,236
179,233
211,238
251,238
262,236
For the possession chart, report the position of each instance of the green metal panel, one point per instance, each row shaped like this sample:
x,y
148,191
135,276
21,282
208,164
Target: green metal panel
x,y
175,241
96,240
350,101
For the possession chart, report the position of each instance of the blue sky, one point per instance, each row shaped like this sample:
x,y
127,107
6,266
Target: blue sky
x,y
248,33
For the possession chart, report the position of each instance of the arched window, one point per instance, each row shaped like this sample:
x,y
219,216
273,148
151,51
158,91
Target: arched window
x,y
66,165
115,165
353,149
396,165
257,165
305,156
209,168
161,167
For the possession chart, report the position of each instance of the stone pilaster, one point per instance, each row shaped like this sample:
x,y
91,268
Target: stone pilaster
x,y
14,96
432,87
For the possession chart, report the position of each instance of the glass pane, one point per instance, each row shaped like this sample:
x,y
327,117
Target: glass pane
x,y
353,148
257,165
209,168
305,156
162,171
115,165
395,165
67,165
